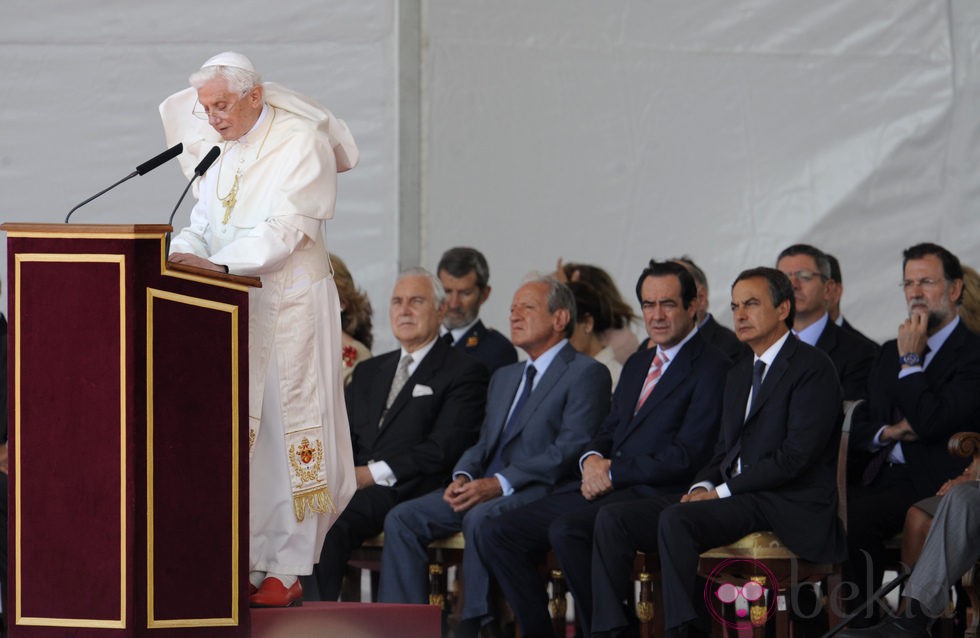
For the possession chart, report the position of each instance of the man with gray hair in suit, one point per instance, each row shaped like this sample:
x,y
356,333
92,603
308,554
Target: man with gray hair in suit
x,y
540,414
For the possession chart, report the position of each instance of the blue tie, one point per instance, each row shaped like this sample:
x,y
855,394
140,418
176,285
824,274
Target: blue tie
x,y
496,462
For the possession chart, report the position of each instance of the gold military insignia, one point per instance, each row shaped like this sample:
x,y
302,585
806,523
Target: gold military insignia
x,y
472,341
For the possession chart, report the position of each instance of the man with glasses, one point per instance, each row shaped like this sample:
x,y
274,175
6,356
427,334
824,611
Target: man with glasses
x,y
260,212
809,271
923,388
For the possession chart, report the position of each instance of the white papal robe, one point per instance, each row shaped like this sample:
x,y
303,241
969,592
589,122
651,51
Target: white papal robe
x,y
298,431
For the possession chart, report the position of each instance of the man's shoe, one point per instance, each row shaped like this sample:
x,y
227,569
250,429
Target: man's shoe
x,y
891,628
272,593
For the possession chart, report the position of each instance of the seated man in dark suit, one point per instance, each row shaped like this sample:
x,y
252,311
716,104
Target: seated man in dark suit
x,y
835,290
923,389
540,414
773,469
951,549
711,331
412,413
809,270
660,431
465,276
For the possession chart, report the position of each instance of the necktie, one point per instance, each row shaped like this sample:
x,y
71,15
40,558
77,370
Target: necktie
x,y
496,462
448,338
653,376
401,376
730,464
873,468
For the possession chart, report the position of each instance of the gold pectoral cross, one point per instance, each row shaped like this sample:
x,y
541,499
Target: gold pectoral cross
x,y
229,200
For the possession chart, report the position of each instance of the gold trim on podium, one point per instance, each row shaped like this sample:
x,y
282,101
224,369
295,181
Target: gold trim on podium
x,y
151,621
20,619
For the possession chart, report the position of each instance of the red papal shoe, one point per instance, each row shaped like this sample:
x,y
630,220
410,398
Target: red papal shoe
x,y
272,593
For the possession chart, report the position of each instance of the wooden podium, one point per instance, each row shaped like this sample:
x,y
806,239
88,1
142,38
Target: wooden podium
x,y
128,398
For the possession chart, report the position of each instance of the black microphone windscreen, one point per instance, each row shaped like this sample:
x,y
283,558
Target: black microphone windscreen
x,y
207,161
163,157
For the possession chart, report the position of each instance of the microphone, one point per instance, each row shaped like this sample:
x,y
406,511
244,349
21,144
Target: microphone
x,y
162,158
199,170
142,169
203,166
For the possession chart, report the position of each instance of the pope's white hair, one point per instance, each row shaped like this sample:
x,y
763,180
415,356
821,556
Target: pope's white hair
x,y
240,81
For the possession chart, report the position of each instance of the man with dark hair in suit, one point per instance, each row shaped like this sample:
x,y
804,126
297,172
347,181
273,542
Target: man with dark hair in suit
x,y
773,469
412,413
540,414
466,277
809,271
923,389
661,429
835,290
713,332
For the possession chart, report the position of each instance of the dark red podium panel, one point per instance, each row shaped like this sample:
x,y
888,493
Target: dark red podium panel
x,y
128,404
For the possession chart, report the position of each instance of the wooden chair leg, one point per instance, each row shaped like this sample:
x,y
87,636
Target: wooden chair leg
x,y
350,589
782,621
718,630
657,597
645,607
558,605
375,578
437,585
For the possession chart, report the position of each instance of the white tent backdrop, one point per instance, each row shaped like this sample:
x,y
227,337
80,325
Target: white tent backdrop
x,y
613,132
605,132
78,108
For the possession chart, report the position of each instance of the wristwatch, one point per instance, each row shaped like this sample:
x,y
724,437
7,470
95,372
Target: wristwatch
x,y
910,359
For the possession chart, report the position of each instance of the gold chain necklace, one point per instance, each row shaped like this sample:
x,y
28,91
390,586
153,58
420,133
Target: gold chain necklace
x,y
229,200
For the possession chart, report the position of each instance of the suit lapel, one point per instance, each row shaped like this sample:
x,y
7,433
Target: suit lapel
x,y
776,371
509,389
828,338
941,363
425,370
555,371
383,379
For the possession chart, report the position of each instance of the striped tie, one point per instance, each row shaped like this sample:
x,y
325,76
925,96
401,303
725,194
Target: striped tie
x,y
652,377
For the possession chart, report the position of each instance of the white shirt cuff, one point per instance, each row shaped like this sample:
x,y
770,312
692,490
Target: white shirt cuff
x,y
708,485
723,490
877,443
382,473
505,484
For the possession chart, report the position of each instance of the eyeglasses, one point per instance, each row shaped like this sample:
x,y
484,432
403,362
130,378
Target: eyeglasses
x,y
202,113
729,593
926,282
804,276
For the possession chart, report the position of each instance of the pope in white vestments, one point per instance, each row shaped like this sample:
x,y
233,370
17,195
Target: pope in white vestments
x,y
260,211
